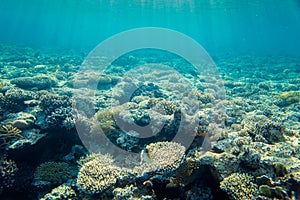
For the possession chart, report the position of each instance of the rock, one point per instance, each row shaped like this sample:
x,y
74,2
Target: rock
x,y
21,124
38,82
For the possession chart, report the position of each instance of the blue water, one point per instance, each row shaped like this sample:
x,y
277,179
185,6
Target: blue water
x,y
258,26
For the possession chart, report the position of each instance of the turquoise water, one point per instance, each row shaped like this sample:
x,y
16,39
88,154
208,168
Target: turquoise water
x,y
232,26
149,99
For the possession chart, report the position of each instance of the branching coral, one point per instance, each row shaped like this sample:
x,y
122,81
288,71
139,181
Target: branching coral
x,y
97,175
8,133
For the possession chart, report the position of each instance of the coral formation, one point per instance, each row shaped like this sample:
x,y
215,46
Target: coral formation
x,y
288,98
8,133
62,192
240,186
97,175
14,99
54,173
58,110
8,170
161,157
251,151
105,120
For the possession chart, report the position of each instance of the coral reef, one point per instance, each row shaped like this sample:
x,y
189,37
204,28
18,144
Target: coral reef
x,y
239,186
161,157
37,82
9,133
251,151
288,98
58,110
8,170
14,99
97,175
62,192
53,173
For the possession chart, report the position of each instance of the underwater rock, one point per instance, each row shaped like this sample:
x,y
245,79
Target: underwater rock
x,y
197,192
31,137
21,120
273,192
37,82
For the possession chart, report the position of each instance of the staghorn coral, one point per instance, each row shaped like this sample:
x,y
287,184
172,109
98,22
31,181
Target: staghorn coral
x,y
97,175
8,169
7,133
239,186
55,173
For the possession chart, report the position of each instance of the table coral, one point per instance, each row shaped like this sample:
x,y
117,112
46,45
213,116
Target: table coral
x,y
161,157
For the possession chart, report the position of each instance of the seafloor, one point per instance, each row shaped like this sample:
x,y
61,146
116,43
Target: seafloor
x,y
245,143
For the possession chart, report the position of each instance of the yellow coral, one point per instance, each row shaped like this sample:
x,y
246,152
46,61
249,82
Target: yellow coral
x,y
96,176
290,97
7,133
105,119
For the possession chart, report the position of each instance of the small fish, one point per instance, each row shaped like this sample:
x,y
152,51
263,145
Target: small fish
x,y
2,83
57,70
145,157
